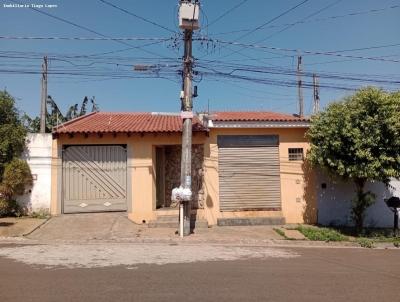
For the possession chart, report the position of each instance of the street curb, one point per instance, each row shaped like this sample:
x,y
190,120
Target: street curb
x,y
177,241
45,221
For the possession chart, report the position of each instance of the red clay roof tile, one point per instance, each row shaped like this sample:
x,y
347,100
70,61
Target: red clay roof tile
x,y
110,122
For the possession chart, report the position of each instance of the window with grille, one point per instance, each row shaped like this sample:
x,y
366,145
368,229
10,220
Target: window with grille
x,y
296,154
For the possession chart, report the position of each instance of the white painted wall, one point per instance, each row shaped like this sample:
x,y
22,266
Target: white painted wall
x,y
38,156
334,202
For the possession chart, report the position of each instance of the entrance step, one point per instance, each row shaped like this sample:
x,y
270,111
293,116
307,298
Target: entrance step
x,y
172,221
168,212
250,221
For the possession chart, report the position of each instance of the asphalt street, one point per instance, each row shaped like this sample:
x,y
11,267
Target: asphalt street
x,y
316,274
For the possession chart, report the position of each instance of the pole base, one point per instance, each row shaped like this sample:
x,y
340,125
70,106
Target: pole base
x,y
186,227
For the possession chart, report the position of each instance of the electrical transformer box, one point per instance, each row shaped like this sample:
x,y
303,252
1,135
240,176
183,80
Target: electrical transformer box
x,y
189,15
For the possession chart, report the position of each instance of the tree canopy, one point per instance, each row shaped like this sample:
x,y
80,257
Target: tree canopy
x,y
55,117
358,138
12,132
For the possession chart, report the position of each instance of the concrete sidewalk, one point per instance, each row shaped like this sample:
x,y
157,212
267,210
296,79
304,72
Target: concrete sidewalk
x,y
17,227
117,227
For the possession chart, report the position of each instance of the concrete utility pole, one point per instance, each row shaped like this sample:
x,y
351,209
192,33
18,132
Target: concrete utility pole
x,y
44,97
299,86
316,94
188,21
187,115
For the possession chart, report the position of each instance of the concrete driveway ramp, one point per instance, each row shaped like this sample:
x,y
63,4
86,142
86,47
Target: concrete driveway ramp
x,y
71,227
294,234
16,227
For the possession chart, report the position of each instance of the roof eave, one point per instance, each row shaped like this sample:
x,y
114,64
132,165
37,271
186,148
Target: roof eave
x,y
259,124
124,132
63,125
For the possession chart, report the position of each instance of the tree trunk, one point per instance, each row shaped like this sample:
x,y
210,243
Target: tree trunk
x,y
359,205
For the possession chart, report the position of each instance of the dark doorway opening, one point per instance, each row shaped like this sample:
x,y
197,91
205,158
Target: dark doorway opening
x,y
168,171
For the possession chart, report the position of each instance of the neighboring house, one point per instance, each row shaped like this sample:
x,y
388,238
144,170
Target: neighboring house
x,y
247,167
254,169
334,202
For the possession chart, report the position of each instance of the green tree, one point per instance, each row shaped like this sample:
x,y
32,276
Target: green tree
x,y
12,131
55,117
14,172
358,139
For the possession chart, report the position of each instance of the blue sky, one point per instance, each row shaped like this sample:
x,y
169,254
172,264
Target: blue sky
x,y
320,32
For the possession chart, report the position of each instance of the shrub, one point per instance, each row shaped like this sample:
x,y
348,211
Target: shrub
x,y
364,242
9,208
12,132
40,214
17,176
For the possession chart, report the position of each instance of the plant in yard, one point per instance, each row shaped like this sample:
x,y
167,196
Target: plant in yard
x,y
12,132
54,116
358,139
15,174
365,242
321,234
40,214
9,208
16,177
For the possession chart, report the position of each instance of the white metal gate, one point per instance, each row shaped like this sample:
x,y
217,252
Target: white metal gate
x,y
94,178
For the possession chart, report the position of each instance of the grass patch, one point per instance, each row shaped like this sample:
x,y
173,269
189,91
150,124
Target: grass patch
x,y
365,242
373,235
280,232
368,238
321,234
40,214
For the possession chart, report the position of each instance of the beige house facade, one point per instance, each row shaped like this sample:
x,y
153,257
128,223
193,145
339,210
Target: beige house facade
x,y
248,167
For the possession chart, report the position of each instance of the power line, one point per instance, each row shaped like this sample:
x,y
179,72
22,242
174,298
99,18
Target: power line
x,y
172,62
365,48
304,19
226,13
276,82
122,50
167,71
264,24
292,73
316,19
39,55
244,67
272,20
137,16
165,39
85,28
348,60
85,38
331,53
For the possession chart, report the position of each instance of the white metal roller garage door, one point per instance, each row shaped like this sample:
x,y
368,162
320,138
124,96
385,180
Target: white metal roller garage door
x,y
249,173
